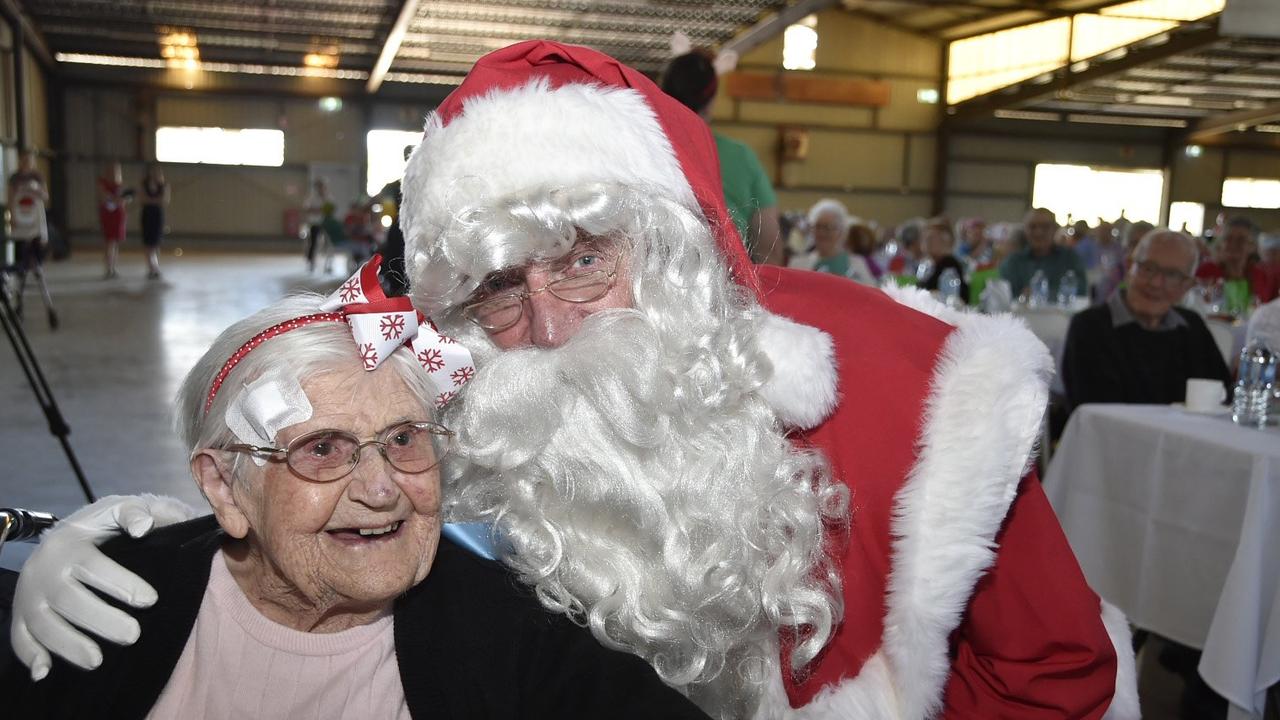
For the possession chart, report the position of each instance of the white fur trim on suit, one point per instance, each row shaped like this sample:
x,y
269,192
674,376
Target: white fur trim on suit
x,y
550,137
802,390
1124,704
982,418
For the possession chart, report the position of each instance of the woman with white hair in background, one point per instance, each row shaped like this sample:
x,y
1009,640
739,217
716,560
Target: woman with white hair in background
x,y
319,587
829,223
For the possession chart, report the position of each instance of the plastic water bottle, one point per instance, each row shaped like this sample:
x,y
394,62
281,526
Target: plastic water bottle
x,y
1257,379
1068,288
924,269
1039,289
949,287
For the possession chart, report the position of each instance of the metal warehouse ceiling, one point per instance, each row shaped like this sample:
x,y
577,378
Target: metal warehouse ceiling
x,y
436,37
1190,77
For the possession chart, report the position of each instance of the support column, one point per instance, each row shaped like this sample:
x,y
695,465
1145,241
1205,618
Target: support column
x,y
58,191
942,138
20,84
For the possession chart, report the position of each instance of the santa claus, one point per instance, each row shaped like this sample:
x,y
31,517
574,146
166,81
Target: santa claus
x,y
792,495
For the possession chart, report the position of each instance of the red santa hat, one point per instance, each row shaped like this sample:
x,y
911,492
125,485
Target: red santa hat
x,y
541,114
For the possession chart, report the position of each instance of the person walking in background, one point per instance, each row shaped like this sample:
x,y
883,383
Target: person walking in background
x,y
394,279
26,197
112,197
691,79
155,196
319,207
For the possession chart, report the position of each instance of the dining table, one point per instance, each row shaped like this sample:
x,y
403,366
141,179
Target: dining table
x,y
1174,517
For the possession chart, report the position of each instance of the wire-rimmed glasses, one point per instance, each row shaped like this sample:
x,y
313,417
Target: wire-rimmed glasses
x,y
328,455
499,312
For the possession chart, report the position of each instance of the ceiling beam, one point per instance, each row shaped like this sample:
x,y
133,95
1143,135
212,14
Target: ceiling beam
x,y
1046,13
773,26
392,45
1063,79
1216,125
31,34
885,21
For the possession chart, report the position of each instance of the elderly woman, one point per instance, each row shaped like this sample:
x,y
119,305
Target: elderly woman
x,y
320,587
829,222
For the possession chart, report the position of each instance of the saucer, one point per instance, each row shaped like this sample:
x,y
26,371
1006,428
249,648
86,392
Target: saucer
x,y
1218,410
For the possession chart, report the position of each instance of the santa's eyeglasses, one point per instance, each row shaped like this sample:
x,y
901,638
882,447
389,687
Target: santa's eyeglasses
x,y
576,285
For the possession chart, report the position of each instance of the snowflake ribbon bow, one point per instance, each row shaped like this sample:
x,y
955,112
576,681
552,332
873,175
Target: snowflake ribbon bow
x,y
381,324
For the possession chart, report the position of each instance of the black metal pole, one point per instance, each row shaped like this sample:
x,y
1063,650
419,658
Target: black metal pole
x,y
35,378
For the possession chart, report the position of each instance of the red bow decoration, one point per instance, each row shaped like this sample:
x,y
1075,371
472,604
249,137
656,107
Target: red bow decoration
x,y
381,324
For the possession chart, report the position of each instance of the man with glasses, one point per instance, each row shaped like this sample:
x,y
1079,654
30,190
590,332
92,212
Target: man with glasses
x,y
1139,347
1042,254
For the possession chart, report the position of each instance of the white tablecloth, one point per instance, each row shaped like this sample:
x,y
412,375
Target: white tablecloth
x,y
1175,518
1229,336
1050,325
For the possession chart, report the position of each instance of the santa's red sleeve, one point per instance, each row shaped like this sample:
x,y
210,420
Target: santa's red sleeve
x,y
1031,644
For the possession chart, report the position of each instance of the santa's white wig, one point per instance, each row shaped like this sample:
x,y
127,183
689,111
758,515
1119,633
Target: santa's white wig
x,y
645,486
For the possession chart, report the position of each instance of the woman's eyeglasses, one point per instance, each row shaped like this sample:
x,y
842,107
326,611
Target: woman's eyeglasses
x,y
500,312
328,455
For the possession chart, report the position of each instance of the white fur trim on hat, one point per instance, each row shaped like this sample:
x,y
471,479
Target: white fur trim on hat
x,y
803,388
536,136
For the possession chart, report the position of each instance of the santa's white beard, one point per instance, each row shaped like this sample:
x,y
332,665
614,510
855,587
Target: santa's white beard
x,y
646,490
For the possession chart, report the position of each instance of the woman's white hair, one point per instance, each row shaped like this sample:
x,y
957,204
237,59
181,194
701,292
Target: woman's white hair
x,y
831,205
646,488
302,352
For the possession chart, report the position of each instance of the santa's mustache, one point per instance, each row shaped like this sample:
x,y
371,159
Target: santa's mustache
x,y
611,372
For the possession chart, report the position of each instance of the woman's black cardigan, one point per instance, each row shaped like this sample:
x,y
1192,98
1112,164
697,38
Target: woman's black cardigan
x,y
470,643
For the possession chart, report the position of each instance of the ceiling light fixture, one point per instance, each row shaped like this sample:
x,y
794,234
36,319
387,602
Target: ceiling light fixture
x,y
179,48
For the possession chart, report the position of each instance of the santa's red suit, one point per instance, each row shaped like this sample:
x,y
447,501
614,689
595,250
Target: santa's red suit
x,y
960,589
961,596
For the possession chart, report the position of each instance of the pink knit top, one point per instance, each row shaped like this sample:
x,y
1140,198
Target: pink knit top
x,y
237,664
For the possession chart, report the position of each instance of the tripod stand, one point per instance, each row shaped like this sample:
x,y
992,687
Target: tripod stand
x,y
35,378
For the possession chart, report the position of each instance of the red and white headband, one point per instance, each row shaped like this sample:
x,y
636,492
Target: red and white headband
x,y
380,325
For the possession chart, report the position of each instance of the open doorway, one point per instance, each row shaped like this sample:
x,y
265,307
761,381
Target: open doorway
x,y
1081,192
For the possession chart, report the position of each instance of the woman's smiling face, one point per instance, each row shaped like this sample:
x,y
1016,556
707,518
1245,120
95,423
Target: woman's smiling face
x,y
305,538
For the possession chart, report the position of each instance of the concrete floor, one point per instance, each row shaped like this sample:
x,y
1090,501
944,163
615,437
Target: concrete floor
x,y
114,366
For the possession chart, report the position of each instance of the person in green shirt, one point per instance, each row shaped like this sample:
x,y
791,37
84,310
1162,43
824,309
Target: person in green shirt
x,y
691,79
1043,254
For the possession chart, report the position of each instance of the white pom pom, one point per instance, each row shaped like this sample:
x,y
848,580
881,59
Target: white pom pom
x,y
725,62
680,44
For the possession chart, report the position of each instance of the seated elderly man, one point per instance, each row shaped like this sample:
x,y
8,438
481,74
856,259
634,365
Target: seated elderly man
x,y
319,588
1042,254
1138,347
795,496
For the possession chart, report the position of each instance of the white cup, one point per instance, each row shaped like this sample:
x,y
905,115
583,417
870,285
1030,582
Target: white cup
x,y
1205,395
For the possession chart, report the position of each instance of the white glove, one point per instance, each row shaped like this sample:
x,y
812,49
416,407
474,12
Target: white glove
x,y
51,598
